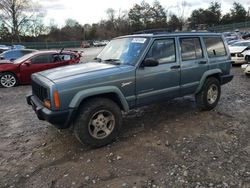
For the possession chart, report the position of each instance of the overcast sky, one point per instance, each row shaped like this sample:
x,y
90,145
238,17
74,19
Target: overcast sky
x,y
92,11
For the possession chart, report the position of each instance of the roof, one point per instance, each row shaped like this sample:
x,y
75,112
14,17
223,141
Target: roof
x,y
52,51
166,34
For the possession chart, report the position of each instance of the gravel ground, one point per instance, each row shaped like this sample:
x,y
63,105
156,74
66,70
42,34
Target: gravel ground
x,y
170,144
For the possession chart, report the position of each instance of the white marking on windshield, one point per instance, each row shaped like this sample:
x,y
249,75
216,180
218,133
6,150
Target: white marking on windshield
x,y
139,40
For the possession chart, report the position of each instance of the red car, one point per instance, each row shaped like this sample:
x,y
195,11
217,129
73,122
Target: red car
x,y
20,70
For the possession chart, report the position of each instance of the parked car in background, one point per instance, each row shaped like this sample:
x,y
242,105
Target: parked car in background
x,y
17,46
100,43
97,44
85,44
246,69
239,50
19,71
231,42
4,48
15,54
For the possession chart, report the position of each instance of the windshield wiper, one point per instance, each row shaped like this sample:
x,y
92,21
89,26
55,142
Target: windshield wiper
x,y
98,59
113,61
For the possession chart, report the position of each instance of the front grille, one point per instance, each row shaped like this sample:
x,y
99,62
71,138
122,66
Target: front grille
x,y
39,91
233,55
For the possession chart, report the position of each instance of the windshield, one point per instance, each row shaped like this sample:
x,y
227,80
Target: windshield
x,y
123,50
241,44
23,58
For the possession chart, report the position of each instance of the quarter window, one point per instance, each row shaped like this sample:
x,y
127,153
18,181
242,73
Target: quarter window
x,y
190,49
163,51
215,46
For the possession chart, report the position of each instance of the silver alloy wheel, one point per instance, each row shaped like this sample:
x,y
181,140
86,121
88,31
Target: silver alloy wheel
x,y
8,80
101,124
212,93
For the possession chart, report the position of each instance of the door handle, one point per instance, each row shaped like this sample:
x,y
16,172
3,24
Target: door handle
x,y
202,62
175,67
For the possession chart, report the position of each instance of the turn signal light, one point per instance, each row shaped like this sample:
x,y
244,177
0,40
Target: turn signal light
x,y
56,100
47,103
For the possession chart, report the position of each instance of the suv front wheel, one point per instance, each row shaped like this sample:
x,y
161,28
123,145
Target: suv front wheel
x,y
98,122
209,96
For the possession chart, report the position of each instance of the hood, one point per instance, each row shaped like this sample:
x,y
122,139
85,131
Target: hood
x,y
75,70
237,49
5,62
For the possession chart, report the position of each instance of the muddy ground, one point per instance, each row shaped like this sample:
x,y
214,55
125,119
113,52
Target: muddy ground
x,y
170,144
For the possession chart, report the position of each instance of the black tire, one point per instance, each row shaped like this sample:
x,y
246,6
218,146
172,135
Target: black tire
x,y
8,80
92,125
203,99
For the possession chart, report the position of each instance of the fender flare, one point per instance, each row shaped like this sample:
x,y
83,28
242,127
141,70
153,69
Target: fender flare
x,y
204,77
81,95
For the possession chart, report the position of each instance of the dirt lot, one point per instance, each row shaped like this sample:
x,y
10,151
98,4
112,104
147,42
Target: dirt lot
x,y
170,144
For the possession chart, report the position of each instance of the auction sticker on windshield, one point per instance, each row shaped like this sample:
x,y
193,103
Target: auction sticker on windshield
x,y
139,40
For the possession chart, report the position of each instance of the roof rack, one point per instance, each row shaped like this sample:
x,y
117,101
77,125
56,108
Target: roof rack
x,y
153,31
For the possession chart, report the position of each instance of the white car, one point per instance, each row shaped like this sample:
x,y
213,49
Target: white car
x,y
239,50
246,69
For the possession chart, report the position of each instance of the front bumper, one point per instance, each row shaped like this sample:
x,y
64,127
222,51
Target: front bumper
x,y
61,119
226,78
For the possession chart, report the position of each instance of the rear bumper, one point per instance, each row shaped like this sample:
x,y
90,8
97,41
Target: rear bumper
x,y
226,78
61,119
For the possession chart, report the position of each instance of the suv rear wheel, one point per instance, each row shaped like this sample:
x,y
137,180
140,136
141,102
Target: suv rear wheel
x,y
209,96
98,122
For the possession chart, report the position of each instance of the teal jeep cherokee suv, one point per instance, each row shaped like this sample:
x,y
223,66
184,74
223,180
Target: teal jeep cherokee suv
x,y
131,71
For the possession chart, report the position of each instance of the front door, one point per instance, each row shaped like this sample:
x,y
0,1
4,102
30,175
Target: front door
x,y
162,81
36,64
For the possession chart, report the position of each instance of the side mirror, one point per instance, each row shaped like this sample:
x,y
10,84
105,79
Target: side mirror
x,y
27,63
150,62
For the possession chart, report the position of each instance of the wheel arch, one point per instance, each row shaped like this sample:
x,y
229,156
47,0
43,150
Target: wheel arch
x,y
110,92
216,73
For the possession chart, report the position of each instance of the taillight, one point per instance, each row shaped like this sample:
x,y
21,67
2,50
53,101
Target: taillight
x,y
56,99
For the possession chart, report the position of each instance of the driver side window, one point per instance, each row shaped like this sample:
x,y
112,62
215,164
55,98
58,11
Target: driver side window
x,y
42,59
163,51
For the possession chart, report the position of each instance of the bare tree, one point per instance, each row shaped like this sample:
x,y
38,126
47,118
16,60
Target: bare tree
x,y
16,15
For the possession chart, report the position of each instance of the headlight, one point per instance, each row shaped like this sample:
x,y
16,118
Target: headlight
x,y
47,103
240,55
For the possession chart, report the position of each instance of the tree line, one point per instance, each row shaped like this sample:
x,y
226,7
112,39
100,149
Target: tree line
x,y
22,20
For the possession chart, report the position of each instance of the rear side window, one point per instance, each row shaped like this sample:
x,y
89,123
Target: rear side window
x,y
163,51
190,49
215,46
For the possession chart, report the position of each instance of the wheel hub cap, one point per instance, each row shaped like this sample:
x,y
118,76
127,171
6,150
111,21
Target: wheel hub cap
x,y
101,124
212,94
8,80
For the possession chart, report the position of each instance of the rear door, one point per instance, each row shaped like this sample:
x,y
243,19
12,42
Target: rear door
x,y
193,63
218,54
162,81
